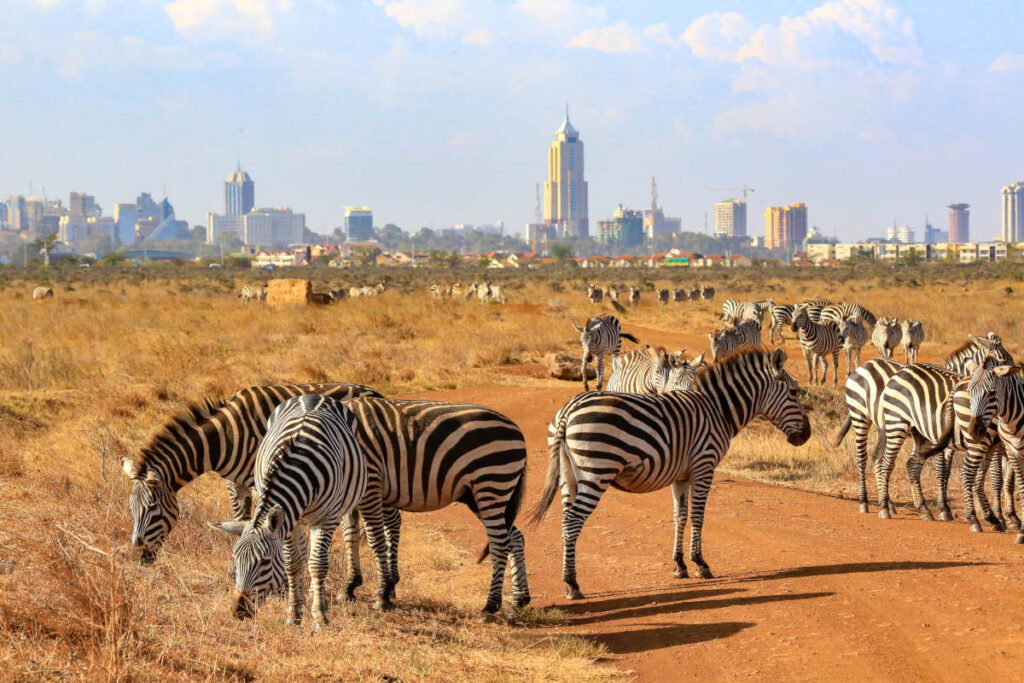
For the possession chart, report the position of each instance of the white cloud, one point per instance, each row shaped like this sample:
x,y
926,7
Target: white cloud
x,y
617,38
86,52
718,36
561,13
481,36
204,19
1007,63
424,16
659,33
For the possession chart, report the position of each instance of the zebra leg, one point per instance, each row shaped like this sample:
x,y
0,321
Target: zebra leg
x,y
392,531
600,372
883,470
517,568
914,465
680,489
583,371
350,532
320,543
574,516
1009,495
811,371
943,467
835,368
992,513
498,545
1018,474
372,512
701,488
293,562
968,472
860,434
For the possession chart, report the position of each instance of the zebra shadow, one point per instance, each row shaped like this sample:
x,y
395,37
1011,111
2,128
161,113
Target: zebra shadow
x,y
854,568
668,635
684,602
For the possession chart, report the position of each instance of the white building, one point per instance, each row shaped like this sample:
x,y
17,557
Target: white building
x,y
903,234
264,227
1013,212
731,218
219,224
125,216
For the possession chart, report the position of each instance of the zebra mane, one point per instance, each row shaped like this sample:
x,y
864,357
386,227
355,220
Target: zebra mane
x,y
260,510
726,364
193,415
960,349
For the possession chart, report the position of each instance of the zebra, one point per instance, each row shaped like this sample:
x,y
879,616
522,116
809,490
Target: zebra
x,y
676,439
815,307
779,315
337,293
913,335
863,391
707,292
745,310
496,294
886,336
854,338
612,293
663,295
595,294
42,292
308,468
679,296
634,297
837,313
694,294
747,333
599,336
650,371
426,455
455,291
439,291
684,372
253,293
975,349
818,341
218,436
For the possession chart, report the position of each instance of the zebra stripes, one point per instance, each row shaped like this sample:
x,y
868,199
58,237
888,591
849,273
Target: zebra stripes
x,y
707,292
221,437
595,294
975,351
741,311
680,296
729,339
634,297
42,292
854,338
695,294
426,455
837,313
640,443
815,307
652,371
913,335
886,336
253,293
818,341
663,296
600,336
779,315
308,468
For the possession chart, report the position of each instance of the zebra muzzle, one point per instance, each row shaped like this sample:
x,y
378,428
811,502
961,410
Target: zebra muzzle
x,y
244,607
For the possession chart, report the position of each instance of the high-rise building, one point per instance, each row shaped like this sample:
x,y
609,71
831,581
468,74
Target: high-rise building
x,y
358,223
273,227
785,227
904,234
82,204
933,235
626,228
125,216
1013,212
17,215
959,223
731,218
239,193
565,191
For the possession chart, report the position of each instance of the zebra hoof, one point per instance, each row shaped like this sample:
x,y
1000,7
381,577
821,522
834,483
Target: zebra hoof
x,y
926,516
521,602
1019,540
884,514
1013,525
946,516
384,605
999,526
864,508
704,572
976,527
680,572
572,593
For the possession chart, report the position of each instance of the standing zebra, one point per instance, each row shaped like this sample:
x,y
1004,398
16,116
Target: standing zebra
x,y
595,294
221,437
679,296
913,335
439,291
600,336
746,333
42,292
634,297
663,295
779,315
676,439
650,371
818,341
307,469
837,313
854,338
886,336
694,294
745,310
426,455
815,308
975,350
707,292
612,293
253,293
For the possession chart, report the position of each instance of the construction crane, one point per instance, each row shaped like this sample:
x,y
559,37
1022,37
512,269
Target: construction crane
x,y
743,189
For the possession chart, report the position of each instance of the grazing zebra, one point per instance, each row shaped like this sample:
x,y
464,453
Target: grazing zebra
x,y
496,294
863,406
595,294
337,293
694,294
217,436
886,336
779,315
745,310
455,292
837,313
707,292
42,292
854,338
650,371
439,291
747,333
913,335
975,350
426,455
663,295
818,341
355,292
253,293
679,296
634,297
640,443
308,469
600,336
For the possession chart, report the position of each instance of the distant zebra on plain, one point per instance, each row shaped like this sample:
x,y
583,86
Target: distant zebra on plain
x,y
600,336
913,335
253,293
694,294
612,293
854,338
663,296
679,296
634,297
42,292
676,439
779,316
439,291
308,468
595,294
724,341
707,292
818,341
886,336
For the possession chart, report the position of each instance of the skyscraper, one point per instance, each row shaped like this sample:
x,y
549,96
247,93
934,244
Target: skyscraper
x,y
565,191
959,223
731,218
358,223
785,227
1013,212
239,193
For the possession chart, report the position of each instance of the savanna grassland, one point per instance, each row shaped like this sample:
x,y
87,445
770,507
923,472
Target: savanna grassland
x,y
88,376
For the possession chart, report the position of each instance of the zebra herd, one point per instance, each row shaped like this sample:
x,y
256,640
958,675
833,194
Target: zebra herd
x,y
485,292
596,294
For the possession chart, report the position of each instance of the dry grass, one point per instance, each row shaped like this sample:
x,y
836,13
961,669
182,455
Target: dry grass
x,y
86,376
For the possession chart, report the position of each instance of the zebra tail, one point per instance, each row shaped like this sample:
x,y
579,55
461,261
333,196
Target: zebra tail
x,y
842,432
627,335
553,481
511,512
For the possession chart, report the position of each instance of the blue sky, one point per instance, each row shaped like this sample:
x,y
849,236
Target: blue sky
x,y
440,111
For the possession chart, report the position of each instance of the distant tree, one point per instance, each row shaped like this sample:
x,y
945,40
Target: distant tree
x,y
325,259
113,258
366,256
561,252
391,235
45,245
911,258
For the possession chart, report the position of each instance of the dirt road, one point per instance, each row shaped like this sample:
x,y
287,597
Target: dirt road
x,y
807,587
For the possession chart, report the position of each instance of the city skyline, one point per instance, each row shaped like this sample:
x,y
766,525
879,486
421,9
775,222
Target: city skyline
x,y
828,102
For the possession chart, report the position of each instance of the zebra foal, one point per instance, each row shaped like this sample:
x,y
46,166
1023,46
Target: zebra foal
x,y
600,336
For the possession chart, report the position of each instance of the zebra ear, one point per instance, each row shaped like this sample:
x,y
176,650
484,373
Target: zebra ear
x,y
275,519
577,328
698,360
131,468
778,358
980,341
1007,370
231,528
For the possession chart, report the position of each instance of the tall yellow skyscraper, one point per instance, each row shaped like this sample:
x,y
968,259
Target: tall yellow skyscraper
x,y
785,227
565,191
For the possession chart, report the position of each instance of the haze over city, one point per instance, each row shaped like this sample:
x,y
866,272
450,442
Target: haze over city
x,y
437,112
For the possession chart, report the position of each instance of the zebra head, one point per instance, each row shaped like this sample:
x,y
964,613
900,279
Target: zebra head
x,y
981,388
800,317
259,559
587,338
779,402
683,372
154,509
994,344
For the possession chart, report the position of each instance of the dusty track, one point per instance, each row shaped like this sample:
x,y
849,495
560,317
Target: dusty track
x,y
807,587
